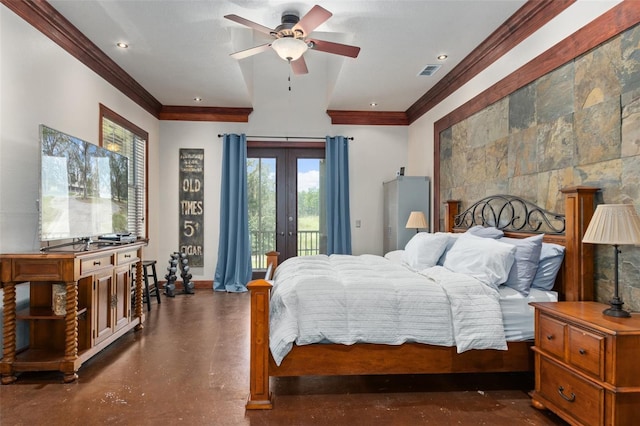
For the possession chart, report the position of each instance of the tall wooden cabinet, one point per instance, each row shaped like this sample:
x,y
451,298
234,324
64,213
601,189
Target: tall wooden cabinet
x,y
97,306
402,196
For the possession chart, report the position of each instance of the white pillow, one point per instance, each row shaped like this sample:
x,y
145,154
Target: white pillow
x,y
452,240
485,259
394,256
424,249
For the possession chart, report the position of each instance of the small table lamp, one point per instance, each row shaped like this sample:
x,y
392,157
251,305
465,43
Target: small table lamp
x,y
614,224
417,220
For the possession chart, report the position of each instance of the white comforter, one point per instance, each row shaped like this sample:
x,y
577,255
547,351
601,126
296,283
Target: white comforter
x,y
352,299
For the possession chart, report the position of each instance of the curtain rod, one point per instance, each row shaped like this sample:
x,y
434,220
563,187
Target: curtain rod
x,y
287,138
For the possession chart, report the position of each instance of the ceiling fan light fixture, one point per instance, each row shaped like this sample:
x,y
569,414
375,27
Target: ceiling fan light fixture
x,y
289,48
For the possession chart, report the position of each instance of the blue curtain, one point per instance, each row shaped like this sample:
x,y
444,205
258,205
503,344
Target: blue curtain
x,y
338,218
233,270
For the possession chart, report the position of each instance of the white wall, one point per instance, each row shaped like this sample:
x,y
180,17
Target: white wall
x,y
40,83
375,154
421,138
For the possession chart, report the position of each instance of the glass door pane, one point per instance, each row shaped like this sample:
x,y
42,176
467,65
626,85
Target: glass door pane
x,y
310,211
261,193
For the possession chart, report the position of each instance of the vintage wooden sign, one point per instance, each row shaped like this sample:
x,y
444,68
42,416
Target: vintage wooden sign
x,y
192,205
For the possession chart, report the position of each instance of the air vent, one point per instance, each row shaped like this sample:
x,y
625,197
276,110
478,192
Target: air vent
x,y
429,70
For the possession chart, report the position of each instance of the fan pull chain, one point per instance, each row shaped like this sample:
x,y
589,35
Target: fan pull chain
x,y
289,79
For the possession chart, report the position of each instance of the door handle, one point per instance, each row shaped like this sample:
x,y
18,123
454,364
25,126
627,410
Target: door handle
x,y
290,234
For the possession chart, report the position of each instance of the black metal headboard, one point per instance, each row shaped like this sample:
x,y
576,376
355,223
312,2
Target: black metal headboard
x,y
510,213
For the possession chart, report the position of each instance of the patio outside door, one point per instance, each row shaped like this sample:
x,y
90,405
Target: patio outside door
x,y
286,203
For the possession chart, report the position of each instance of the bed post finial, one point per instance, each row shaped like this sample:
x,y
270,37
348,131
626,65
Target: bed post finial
x,y
579,208
259,396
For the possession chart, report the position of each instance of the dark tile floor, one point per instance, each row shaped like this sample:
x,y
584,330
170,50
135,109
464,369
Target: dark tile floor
x,y
189,365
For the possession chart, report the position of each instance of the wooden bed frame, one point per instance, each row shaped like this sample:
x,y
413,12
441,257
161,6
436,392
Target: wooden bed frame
x,y
575,282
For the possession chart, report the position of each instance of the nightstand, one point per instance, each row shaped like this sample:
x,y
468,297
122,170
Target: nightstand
x,y
586,363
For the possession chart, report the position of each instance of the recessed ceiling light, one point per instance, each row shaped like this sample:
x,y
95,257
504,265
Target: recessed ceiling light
x,y
197,99
442,57
122,45
373,104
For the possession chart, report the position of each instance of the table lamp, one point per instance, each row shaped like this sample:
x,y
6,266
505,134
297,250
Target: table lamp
x,y
417,220
614,224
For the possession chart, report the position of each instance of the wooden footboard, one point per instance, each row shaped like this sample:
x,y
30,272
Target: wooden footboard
x,y
575,282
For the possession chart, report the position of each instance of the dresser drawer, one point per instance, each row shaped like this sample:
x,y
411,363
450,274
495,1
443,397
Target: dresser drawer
x,y
95,263
586,351
571,394
551,336
127,257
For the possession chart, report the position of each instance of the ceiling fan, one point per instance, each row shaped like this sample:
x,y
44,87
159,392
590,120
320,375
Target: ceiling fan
x,y
291,38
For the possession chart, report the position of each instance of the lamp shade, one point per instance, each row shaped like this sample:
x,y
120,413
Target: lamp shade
x,y
614,224
289,48
417,220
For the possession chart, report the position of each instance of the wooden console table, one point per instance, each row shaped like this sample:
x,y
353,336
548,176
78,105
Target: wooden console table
x,y
96,313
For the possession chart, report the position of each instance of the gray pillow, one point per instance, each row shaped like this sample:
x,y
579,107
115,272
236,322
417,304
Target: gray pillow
x,y
526,262
551,256
485,232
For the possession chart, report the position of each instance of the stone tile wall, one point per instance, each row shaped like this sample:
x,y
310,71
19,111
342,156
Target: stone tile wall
x,y
578,125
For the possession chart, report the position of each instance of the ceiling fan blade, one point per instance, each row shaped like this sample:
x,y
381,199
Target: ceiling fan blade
x,y
250,52
335,48
312,20
250,24
299,66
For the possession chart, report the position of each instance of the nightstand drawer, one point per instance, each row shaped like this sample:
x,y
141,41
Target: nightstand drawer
x,y
551,336
581,398
586,351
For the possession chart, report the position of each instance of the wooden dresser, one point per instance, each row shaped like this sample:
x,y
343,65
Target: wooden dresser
x,y
587,364
96,307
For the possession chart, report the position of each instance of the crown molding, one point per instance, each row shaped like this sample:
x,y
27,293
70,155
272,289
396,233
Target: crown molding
x,y
527,20
188,113
42,16
618,19
368,118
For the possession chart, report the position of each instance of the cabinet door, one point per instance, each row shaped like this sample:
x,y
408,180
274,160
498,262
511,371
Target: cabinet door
x,y
122,296
103,286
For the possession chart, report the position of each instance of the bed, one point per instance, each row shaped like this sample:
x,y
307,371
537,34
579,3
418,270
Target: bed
x,y
517,219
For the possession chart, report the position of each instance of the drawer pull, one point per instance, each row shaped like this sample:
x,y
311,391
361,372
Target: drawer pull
x,y
549,336
582,351
96,263
127,256
565,397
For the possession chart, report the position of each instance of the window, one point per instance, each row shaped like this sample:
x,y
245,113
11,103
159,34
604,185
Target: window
x,y
118,134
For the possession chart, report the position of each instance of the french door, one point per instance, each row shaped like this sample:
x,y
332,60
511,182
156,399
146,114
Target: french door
x,y
286,202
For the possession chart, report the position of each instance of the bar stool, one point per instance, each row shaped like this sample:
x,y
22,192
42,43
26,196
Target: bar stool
x,y
148,271
146,265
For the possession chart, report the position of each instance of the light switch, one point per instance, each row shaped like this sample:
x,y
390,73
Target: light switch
x,y
358,223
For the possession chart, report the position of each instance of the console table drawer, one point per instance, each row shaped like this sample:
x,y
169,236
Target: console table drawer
x,y
127,257
95,263
40,269
572,394
551,336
